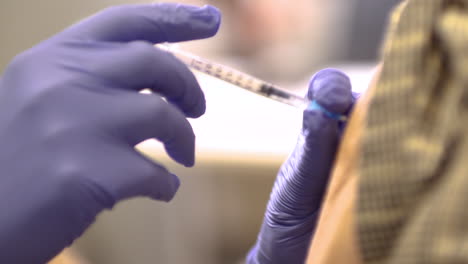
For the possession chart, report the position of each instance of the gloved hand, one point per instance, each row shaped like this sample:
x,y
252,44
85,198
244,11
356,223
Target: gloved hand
x,y
71,114
295,201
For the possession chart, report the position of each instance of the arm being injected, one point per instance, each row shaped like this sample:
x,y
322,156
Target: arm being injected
x,y
245,81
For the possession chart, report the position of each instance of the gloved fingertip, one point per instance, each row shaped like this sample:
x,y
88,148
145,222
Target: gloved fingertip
x,y
207,17
189,160
198,109
182,22
180,145
189,164
216,14
172,188
331,89
320,75
186,159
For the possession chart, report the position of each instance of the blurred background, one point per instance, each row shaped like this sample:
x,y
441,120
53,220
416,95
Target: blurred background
x,y
241,140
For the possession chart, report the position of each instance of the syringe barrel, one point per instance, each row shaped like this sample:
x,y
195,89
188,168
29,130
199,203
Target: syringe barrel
x,y
237,78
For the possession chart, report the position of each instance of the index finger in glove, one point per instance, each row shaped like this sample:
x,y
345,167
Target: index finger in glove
x,y
155,23
303,177
295,201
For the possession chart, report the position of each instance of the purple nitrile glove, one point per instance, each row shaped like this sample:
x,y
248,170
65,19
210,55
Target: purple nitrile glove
x,y
71,114
295,201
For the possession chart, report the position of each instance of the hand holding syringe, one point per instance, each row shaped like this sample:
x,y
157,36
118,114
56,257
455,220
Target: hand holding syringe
x,y
245,81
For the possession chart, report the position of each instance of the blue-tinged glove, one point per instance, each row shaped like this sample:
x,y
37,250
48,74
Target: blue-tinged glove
x,y
295,201
71,114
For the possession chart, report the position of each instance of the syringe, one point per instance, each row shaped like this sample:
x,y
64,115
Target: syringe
x,y
237,78
246,81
